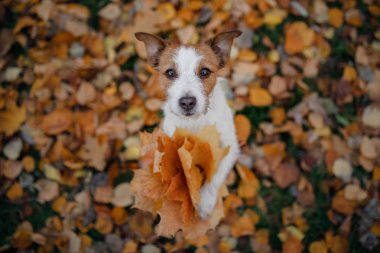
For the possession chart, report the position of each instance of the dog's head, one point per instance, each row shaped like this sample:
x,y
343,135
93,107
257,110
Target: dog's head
x,y
188,72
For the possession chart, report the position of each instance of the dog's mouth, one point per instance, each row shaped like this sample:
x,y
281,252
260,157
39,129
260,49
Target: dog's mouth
x,y
188,113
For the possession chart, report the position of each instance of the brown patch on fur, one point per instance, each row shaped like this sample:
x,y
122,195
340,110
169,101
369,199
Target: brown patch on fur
x,y
210,61
166,62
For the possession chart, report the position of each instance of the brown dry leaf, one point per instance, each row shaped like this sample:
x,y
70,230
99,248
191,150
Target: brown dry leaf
x,y
103,194
243,128
341,204
86,93
260,97
110,12
103,224
292,245
249,185
171,182
21,239
354,17
298,36
368,148
12,118
47,190
95,153
10,169
57,121
286,174
122,195
147,189
277,85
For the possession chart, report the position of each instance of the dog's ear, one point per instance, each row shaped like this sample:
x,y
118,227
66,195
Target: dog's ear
x,y
221,45
154,46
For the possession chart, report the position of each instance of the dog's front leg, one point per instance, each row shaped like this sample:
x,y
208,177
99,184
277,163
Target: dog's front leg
x,y
209,191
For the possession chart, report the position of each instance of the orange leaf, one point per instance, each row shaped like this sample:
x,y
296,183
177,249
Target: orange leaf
x,y
298,36
249,184
242,226
192,172
292,245
335,17
15,192
260,97
11,119
172,188
243,128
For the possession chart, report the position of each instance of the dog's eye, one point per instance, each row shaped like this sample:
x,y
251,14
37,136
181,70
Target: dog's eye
x,y
170,74
204,73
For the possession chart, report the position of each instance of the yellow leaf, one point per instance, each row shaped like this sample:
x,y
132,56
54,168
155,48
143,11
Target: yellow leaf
x,y
274,17
11,119
318,247
349,73
260,97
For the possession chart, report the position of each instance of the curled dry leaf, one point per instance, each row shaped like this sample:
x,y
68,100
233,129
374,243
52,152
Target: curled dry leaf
x,y
170,184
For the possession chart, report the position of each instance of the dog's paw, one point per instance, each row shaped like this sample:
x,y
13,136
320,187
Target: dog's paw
x,y
207,201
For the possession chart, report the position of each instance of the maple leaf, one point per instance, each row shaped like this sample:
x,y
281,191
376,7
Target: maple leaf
x,y
176,168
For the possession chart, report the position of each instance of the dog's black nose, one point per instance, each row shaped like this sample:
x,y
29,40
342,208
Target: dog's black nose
x,y
187,103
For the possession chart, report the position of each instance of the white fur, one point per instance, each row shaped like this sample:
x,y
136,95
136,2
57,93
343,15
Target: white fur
x,y
187,83
216,111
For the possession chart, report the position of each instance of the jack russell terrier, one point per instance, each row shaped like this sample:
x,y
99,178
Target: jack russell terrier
x,y
195,98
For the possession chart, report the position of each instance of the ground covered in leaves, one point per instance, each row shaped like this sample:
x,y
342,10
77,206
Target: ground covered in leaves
x,y
75,91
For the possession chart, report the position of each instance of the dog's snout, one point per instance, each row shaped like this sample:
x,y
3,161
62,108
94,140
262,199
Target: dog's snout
x,y
187,103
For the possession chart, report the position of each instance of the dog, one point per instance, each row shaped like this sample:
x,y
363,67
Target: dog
x,y
189,74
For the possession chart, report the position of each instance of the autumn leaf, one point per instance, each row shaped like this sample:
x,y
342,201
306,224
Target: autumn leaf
x,y
298,36
57,121
260,97
12,118
243,128
173,179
